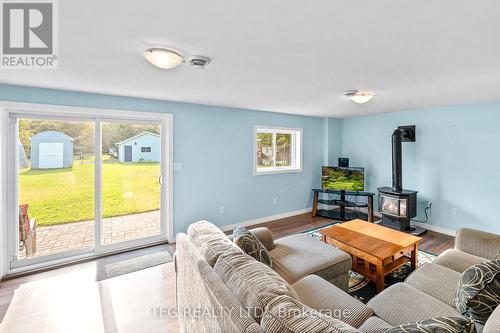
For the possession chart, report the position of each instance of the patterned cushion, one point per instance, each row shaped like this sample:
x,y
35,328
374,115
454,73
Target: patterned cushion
x,y
210,241
251,245
437,325
287,315
478,291
252,282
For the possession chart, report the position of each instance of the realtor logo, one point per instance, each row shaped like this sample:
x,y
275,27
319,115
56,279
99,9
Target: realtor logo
x,y
28,34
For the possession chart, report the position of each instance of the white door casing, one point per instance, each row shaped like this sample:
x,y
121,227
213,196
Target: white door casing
x,y
55,158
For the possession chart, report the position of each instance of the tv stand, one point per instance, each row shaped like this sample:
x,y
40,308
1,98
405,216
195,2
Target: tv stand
x,y
342,213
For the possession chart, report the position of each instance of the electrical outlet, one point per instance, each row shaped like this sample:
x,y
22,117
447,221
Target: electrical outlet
x,y
177,166
221,210
275,201
453,211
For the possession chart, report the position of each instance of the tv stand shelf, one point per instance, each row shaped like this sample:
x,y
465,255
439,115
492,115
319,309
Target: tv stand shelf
x,y
335,202
341,213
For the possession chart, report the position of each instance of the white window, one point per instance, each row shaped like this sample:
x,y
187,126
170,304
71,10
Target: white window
x,y
277,150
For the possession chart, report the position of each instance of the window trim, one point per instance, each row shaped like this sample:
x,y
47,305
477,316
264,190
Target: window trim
x,y
145,149
297,156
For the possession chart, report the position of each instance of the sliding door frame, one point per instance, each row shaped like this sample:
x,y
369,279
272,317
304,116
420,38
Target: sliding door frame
x,y
13,110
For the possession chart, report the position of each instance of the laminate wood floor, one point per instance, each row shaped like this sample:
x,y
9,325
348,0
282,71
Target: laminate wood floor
x,y
70,300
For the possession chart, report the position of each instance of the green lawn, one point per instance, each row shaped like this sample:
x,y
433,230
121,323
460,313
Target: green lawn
x,y
67,195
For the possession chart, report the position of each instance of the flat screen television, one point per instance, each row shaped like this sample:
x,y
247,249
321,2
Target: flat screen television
x,y
349,179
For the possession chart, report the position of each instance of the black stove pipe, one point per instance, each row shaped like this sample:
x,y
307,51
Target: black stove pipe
x,y
397,177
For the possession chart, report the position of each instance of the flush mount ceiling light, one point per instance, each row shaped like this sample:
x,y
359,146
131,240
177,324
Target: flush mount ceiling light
x,y
359,96
163,58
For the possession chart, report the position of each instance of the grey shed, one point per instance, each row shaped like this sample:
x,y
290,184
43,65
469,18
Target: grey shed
x,y
23,159
51,150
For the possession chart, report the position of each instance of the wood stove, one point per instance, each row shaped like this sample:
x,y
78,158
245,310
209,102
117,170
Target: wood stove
x,y
398,206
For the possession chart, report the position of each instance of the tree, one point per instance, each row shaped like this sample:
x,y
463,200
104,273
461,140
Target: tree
x,y
25,133
264,140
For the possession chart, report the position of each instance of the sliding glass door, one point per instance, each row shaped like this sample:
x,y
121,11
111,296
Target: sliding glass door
x,y
85,186
131,181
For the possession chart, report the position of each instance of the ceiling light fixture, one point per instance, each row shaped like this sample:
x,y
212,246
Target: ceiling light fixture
x,y
359,96
163,58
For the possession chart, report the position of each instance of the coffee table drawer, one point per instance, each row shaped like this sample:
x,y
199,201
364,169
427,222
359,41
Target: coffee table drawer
x,y
351,250
403,252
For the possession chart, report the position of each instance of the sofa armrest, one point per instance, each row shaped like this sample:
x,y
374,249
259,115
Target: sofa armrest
x,y
479,243
265,236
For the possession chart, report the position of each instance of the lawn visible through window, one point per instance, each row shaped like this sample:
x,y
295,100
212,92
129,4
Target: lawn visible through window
x,y
56,185
130,182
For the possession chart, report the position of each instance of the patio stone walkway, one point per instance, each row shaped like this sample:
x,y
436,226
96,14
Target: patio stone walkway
x,y
80,235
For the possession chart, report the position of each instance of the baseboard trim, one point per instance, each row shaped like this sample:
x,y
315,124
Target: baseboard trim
x,y
435,228
422,225
266,219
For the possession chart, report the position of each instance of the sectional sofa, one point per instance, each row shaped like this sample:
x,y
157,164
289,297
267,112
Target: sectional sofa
x,y
221,289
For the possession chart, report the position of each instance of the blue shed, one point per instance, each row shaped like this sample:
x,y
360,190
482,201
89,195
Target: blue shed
x,y
51,150
144,147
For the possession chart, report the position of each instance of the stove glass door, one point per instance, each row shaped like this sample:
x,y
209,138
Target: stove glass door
x,y
393,206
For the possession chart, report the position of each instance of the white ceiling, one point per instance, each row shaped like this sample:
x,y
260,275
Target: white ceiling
x,y
282,55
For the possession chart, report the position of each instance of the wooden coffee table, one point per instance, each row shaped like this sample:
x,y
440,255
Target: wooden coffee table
x,y
376,250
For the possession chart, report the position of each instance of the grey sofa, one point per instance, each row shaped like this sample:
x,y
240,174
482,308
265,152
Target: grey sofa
x,y
427,293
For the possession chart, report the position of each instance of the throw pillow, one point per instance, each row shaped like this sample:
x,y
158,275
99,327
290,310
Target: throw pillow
x,y
251,245
478,291
287,315
437,325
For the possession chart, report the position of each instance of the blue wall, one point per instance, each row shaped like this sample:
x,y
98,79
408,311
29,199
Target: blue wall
x,y
332,141
454,163
215,147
